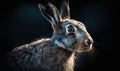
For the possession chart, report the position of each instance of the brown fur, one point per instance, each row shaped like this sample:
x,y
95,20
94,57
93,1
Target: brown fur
x,y
42,55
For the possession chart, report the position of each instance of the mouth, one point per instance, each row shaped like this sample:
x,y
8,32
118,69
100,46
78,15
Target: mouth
x,y
88,48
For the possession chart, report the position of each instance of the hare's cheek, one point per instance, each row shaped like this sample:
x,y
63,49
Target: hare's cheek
x,y
79,46
78,35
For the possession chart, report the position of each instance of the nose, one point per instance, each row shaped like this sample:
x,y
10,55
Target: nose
x,y
89,42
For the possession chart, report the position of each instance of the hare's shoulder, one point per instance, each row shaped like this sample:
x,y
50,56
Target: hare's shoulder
x,y
31,49
28,53
32,46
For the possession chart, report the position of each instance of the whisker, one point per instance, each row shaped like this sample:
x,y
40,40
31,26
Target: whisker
x,y
92,54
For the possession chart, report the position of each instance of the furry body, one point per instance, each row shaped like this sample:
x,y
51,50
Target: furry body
x,y
42,55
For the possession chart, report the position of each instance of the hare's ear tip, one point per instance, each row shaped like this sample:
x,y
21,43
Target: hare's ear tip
x,y
41,6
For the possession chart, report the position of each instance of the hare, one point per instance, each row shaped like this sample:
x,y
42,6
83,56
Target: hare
x,y
58,52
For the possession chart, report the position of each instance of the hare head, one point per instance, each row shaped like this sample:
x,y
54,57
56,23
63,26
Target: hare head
x,y
68,33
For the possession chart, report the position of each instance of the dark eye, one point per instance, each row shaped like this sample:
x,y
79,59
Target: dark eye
x,y
70,29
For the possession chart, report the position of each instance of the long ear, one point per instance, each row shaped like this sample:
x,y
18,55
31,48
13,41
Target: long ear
x,y
65,10
50,12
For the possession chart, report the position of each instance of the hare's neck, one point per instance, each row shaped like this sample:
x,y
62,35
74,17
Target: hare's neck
x,y
59,42
69,64
67,60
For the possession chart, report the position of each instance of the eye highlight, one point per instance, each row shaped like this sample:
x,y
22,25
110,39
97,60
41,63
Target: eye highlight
x,y
70,29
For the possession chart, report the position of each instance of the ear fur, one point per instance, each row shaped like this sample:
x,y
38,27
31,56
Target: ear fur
x,y
50,13
65,10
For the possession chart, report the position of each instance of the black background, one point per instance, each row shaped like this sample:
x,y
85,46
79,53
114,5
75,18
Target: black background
x,y
21,22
